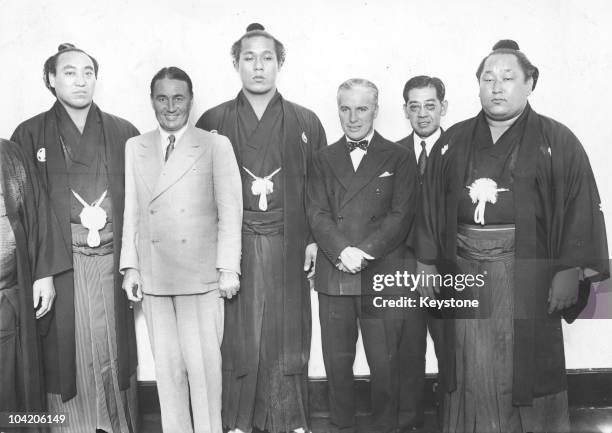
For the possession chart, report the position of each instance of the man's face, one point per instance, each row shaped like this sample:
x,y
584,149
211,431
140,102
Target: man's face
x,y
357,109
74,80
171,101
424,110
258,65
503,89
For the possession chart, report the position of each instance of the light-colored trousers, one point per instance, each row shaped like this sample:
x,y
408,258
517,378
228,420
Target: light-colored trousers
x,y
185,334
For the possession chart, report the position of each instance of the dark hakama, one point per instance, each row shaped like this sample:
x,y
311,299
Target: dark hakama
x,y
264,397
99,402
482,400
504,366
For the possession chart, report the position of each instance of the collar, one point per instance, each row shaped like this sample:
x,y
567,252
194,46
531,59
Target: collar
x,y
368,137
177,136
429,142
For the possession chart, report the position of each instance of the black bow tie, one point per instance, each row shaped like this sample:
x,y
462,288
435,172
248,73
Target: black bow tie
x,y
352,145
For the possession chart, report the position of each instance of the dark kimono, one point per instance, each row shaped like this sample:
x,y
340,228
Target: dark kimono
x,y
36,251
554,209
47,141
270,317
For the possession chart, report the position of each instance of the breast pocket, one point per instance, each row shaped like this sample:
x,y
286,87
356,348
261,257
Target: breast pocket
x,y
382,188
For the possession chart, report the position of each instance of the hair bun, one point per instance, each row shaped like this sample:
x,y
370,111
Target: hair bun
x,y
508,44
254,26
65,46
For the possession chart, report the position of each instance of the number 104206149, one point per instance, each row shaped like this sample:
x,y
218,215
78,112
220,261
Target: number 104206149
x,y
31,419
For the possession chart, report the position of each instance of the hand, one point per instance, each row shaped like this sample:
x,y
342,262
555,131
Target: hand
x,y
564,290
424,289
229,284
43,293
341,267
352,258
132,284
310,260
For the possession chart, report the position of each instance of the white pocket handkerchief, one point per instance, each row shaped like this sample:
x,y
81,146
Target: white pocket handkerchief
x,y
386,174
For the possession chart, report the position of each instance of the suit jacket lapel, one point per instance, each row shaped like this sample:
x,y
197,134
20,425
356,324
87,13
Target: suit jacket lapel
x,y
369,167
341,164
148,158
187,151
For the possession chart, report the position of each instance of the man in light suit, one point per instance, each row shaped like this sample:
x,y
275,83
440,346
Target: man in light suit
x,y
181,251
360,209
424,107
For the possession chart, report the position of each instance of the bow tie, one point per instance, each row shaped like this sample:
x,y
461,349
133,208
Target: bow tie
x,y
352,145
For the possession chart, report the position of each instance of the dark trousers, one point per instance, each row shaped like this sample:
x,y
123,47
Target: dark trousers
x,y
412,347
380,328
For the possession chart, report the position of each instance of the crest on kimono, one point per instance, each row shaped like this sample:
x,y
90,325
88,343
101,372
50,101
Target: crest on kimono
x,y
41,154
304,138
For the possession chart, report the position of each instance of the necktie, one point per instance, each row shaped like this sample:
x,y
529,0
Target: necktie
x,y
352,145
170,147
422,163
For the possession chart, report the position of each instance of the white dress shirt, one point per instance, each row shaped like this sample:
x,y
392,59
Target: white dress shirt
x,y
429,142
164,138
358,154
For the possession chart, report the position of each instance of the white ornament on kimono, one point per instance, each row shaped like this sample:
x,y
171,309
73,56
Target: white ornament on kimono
x,y
93,218
483,190
262,186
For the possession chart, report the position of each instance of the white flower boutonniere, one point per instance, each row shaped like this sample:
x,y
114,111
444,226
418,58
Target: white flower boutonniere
x,y
483,190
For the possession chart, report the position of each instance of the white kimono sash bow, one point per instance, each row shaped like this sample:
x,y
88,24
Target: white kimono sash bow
x,y
93,218
262,186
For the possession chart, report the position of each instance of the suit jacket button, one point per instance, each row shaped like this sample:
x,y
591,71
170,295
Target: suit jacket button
x,y
152,212
340,217
373,218
183,241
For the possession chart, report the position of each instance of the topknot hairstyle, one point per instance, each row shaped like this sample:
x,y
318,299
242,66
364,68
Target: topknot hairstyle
x,y
508,46
50,66
256,29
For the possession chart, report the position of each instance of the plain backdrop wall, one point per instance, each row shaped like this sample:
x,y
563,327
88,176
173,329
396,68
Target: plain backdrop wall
x,y
328,42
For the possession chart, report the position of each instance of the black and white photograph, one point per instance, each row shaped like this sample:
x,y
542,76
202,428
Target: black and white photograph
x,y
305,217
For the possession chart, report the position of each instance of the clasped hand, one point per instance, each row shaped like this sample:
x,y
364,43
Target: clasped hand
x,y
353,260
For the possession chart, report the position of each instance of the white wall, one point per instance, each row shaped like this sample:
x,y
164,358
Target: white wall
x,y
327,42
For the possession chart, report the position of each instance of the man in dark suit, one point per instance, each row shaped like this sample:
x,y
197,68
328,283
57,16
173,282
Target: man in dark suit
x,y
424,106
361,208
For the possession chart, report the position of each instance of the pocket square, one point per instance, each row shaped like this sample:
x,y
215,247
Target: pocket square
x,y
386,174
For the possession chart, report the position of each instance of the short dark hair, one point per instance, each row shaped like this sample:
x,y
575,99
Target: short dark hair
x,y
421,81
253,30
508,46
172,73
50,66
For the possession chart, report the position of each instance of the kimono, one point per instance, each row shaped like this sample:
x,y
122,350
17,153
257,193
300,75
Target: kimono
x,y
550,198
38,252
87,165
270,316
